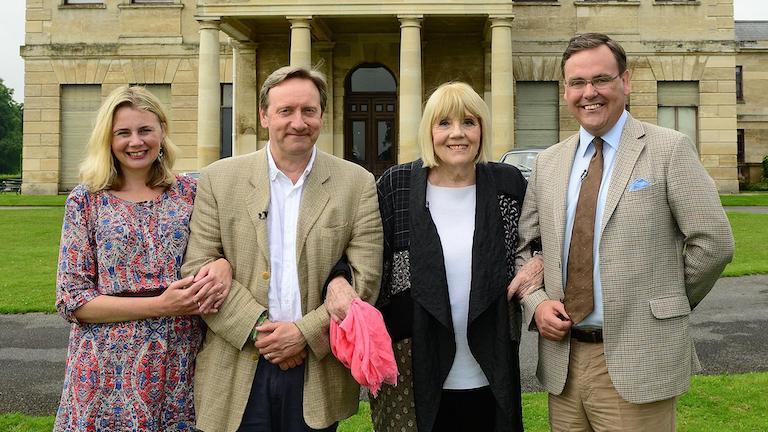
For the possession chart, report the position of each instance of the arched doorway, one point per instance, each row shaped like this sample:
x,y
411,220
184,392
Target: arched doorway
x,y
370,113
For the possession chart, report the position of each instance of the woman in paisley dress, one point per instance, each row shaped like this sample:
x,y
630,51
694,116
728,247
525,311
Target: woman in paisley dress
x,y
450,234
135,324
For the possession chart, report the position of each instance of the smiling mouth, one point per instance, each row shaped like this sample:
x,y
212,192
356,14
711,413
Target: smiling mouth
x,y
458,146
137,154
592,107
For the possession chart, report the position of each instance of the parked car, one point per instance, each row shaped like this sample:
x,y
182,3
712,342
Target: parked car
x,y
523,159
193,174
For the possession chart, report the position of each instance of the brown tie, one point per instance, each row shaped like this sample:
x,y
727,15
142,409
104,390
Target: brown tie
x,y
578,286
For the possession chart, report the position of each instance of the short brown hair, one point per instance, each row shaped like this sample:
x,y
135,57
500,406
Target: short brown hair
x,y
290,72
588,41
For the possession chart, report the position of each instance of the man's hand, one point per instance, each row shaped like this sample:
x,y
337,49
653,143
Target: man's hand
x,y
214,281
552,320
339,298
280,343
528,279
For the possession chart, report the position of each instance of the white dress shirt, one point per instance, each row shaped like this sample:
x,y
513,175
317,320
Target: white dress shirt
x,y
283,216
584,154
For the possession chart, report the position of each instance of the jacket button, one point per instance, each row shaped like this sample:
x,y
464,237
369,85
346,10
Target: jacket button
x,y
255,357
265,275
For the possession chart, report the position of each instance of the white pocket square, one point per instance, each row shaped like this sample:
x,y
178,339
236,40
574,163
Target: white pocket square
x,y
639,184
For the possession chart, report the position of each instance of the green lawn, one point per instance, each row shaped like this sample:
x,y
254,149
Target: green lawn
x,y
745,199
30,240
733,403
9,199
751,234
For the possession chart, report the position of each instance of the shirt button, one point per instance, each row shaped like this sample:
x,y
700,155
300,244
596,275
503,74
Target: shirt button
x,y
265,275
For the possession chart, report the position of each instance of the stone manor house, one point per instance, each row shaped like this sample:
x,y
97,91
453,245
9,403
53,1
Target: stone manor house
x,y
693,69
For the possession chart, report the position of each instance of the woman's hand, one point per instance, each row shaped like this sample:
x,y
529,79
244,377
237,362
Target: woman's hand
x,y
528,279
213,282
339,298
179,298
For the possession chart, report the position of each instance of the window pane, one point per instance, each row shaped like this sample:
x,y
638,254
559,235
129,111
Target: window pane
x,y
79,104
678,93
666,117
536,114
375,79
84,1
364,107
384,140
686,121
358,139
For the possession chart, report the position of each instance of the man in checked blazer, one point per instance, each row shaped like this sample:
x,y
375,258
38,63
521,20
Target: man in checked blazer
x,y
283,216
660,241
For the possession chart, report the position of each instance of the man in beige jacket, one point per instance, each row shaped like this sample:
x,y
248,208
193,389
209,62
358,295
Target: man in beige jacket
x,y
283,216
633,237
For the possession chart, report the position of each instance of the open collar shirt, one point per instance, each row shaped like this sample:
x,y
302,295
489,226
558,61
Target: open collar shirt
x,y
282,218
584,154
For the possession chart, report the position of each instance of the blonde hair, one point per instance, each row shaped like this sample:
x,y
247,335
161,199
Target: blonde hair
x,y
453,100
100,170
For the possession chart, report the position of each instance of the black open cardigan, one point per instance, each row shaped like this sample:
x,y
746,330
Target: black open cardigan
x,y
414,294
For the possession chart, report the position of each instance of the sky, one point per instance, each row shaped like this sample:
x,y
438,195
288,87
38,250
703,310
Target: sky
x,y
12,23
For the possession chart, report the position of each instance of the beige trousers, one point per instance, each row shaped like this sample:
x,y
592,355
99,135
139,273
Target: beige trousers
x,y
590,403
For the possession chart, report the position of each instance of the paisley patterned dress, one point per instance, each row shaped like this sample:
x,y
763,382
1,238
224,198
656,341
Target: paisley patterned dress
x,y
133,375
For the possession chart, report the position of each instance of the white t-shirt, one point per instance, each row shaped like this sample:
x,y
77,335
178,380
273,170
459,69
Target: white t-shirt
x,y
453,211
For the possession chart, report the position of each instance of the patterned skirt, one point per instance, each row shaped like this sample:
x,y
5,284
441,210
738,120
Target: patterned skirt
x,y
394,409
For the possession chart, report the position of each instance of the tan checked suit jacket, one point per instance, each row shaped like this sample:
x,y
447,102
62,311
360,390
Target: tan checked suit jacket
x,y
662,248
339,214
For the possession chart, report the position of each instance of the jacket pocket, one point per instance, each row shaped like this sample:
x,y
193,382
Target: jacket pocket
x,y
670,307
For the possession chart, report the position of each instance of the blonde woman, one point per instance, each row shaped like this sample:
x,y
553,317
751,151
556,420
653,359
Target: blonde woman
x,y
135,324
450,232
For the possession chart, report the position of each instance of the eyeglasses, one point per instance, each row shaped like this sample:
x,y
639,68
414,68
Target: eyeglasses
x,y
598,82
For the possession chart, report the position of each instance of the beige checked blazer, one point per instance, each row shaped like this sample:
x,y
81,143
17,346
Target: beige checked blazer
x,y
662,248
339,214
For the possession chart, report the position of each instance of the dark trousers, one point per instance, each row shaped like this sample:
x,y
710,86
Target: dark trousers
x,y
466,410
276,401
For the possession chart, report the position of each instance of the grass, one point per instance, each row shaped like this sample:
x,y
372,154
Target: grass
x,y
745,199
733,403
10,199
28,265
751,234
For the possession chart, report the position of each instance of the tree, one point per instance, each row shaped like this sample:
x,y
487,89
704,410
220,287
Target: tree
x,y
10,131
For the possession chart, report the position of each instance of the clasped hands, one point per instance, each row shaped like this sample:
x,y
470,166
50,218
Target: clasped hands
x,y
201,294
281,343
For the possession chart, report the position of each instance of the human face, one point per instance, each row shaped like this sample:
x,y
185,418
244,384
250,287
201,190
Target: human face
x,y
293,118
456,141
596,109
136,139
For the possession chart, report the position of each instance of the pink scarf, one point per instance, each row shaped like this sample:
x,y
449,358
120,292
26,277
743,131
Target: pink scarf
x,y
362,344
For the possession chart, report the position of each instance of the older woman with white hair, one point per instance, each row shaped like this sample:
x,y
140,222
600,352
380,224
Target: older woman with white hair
x,y
450,233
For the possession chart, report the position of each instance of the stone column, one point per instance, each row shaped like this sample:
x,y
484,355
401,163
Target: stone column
x,y
411,93
208,95
245,97
301,41
502,85
327,136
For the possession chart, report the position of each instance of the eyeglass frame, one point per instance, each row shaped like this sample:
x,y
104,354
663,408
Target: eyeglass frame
x,y
602,82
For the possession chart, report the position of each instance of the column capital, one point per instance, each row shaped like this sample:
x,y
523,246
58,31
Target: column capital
x,y
299,21
501,20
410,20
245,47
209,23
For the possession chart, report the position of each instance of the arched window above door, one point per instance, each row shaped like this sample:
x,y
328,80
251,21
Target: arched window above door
x,y
372,79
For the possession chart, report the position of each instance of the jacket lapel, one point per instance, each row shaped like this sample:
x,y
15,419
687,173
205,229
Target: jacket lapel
x,y
487,246
429,287
560,178
257,202
314,198
629,150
